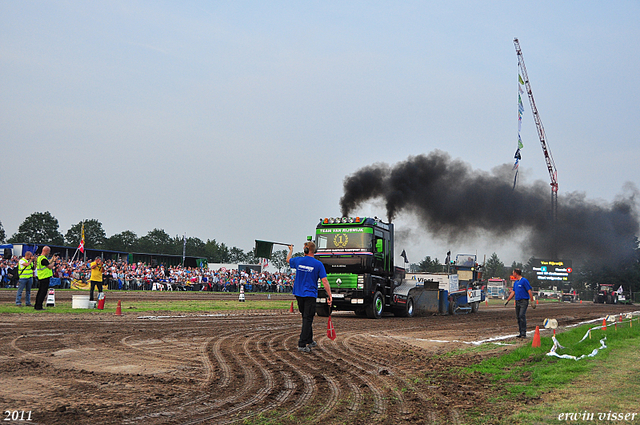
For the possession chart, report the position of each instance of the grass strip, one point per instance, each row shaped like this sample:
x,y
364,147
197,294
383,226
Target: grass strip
x,y
64,307
527,375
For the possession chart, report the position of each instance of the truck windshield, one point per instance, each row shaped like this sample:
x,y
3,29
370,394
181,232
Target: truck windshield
x,y
345,242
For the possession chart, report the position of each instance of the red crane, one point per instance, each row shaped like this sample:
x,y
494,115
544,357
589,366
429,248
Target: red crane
x,y
551,165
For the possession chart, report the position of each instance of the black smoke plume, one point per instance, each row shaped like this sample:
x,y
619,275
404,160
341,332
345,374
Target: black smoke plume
x,y
453,201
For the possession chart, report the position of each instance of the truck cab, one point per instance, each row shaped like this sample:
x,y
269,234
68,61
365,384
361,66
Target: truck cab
x,y
357,253
497,288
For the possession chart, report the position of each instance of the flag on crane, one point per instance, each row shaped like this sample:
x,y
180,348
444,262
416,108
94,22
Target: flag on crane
x,y
518,155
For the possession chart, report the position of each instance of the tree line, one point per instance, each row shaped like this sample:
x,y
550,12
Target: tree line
x,y
43,228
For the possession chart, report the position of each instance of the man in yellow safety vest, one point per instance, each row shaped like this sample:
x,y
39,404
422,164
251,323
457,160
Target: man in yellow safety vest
x,y
44,266
25,276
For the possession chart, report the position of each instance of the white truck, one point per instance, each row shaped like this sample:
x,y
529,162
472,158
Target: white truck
x,y
497,288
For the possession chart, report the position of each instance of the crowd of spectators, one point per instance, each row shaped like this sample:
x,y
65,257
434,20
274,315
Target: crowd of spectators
x,y
141,276
8,272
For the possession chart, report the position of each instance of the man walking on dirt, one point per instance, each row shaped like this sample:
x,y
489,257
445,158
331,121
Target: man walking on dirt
x,y
522,292
305,288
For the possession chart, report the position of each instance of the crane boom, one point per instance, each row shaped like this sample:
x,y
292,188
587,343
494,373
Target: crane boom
x,y
551,165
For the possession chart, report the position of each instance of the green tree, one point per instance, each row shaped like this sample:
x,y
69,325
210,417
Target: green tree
x,y
625,272
157,241
216,252
39,228
529,273
126,241
195,247
250,257
94,236
279,259
429,266
493,267
237,255
2,233
516,265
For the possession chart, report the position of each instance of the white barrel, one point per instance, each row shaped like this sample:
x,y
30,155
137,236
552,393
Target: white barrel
x,y
80,301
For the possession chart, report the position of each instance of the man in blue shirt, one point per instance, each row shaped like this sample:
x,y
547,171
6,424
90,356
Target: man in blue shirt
x,y
522,292
305,288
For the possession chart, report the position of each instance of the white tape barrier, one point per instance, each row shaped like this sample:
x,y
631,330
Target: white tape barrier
x,y
595,351
633,313
495,340
557,345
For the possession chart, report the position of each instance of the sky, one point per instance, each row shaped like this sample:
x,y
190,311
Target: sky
x,y
238,121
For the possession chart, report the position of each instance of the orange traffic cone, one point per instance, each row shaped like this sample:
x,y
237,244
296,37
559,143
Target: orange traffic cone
x,y
291,308
486,302
119,309
536,338
331,332
604,324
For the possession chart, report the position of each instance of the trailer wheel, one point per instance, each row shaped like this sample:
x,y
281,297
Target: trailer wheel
x,y
323,310
409,308
374,310
475,306
452,306
406,311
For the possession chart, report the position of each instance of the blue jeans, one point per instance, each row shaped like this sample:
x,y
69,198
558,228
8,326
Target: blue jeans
x,y
521,313
22,285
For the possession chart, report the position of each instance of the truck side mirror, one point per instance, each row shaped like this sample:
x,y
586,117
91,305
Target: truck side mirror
x,y
379,246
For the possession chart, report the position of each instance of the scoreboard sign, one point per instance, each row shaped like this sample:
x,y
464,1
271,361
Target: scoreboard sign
x,y
552,270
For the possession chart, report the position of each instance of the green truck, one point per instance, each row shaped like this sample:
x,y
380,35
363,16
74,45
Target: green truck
x,y
358,256
357,253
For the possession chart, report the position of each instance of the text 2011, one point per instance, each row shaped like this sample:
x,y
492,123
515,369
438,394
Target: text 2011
x,y
17,415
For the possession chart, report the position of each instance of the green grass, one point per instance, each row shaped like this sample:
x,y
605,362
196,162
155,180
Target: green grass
x,y
527,373
473,349
530,370
64,307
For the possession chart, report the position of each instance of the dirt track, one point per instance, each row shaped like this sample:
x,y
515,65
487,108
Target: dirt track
x,y
96,367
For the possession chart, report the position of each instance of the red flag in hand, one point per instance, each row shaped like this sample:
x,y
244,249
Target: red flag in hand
x,y
331,333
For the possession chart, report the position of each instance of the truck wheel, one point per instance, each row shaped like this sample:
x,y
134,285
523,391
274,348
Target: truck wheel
x,y
406,311
475,306
323,310
374,310
452,306
361,312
